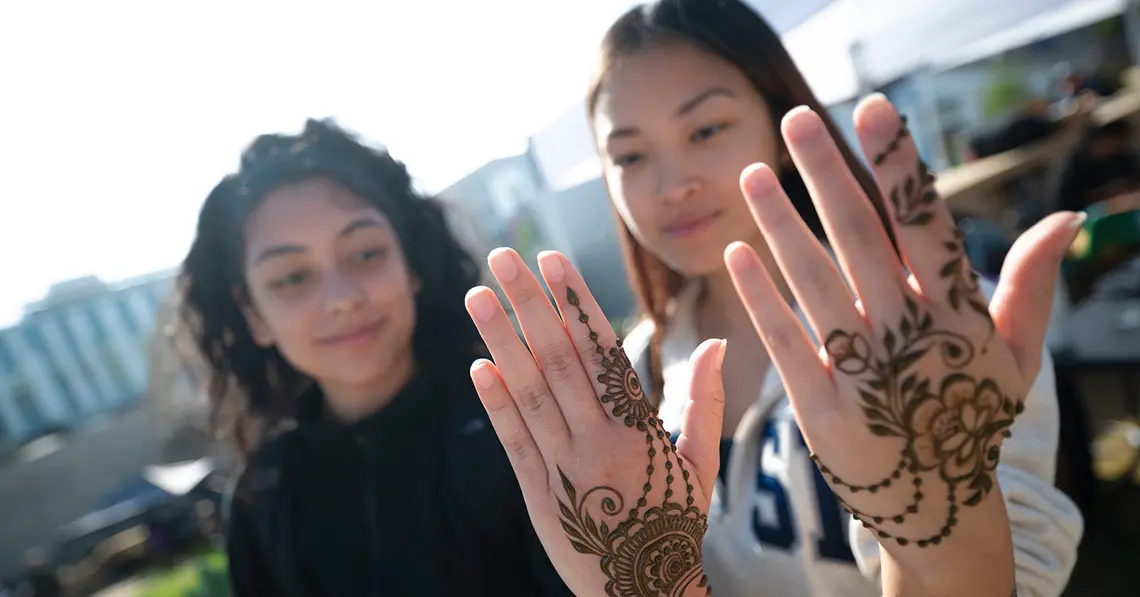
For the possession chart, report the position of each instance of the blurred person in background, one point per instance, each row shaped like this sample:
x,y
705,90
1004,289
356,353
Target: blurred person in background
x,y
1103,165
688,94
1029,124
324,291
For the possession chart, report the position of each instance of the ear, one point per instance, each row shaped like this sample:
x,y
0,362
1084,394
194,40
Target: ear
x,y
261,332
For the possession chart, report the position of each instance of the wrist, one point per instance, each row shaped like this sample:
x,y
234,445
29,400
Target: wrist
x,y
977,559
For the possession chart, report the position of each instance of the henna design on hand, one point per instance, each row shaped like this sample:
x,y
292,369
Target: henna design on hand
x,y
915,202
953,426
656,549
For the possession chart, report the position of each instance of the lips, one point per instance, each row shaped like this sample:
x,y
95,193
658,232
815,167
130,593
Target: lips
x,y
354,337
690,225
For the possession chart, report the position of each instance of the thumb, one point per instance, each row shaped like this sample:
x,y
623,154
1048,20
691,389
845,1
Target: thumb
x,y
1024,297
699,442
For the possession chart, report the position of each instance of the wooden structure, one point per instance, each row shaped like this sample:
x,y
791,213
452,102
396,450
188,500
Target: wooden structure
x,y
978,187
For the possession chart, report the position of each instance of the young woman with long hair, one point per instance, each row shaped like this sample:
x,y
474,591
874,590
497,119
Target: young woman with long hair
x,y
326,295
690,94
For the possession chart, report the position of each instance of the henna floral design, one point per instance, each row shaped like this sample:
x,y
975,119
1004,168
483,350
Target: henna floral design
x,y
656,549
954,430
953,426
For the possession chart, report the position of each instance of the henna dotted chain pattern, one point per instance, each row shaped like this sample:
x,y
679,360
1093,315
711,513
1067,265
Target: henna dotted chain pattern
x,y
953,425
655,549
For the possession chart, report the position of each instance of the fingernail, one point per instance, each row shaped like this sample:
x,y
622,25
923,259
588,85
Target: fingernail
x,y
1075,225
737,257
480,304
551,265
481,374
720,354
503,265
758,180
802,125
1078,220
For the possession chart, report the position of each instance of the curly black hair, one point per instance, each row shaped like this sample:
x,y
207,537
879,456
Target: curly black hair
x,y
253,388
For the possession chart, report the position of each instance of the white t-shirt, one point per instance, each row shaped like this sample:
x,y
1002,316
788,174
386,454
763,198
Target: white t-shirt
x,y
775,527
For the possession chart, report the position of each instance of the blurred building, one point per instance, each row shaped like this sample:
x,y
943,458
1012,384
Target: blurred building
x,y
76,354
506,202
73,372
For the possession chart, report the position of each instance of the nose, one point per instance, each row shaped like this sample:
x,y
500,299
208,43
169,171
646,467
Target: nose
x,y
342,293
676,184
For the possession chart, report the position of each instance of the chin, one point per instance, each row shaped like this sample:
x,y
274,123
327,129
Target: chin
x,y
696,264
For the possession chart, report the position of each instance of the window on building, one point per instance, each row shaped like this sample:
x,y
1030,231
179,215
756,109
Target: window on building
x,y
34,338
98,330
7,359
29,408
123,310
105,349
86,370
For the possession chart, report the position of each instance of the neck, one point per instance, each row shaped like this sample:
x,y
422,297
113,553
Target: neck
x,y
351,402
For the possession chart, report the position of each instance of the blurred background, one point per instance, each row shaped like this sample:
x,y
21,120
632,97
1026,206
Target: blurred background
x,y
120,116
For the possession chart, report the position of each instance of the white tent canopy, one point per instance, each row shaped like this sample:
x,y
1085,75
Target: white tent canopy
x,y
900,36
897,37
1072,15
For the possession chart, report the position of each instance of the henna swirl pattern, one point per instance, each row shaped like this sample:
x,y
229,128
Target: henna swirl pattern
x,y
656,549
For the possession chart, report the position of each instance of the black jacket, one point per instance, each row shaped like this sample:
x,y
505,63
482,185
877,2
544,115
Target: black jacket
x,y
418,499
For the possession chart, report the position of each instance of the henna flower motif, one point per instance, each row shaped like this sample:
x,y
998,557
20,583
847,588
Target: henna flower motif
x,y
660,555
623,388
953,430
851,352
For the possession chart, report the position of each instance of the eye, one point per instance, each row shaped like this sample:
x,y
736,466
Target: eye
x,y
627,160
371,255
290,280
705,132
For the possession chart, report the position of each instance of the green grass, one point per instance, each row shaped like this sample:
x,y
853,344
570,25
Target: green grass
x,y
203,576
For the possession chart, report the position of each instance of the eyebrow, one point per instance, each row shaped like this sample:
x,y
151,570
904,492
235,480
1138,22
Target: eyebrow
x,y
684,109
361,223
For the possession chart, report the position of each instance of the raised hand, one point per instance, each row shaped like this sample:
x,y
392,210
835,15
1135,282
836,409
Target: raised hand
x,y
918,381
618,508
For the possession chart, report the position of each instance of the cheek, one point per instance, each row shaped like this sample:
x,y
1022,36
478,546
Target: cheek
x,y
290,320
634,203
390,286
723,164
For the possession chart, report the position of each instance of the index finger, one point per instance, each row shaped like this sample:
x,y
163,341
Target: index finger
x,y
618,387
519,371
557,356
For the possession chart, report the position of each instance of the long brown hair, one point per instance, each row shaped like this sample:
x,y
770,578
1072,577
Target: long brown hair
x,y
732,31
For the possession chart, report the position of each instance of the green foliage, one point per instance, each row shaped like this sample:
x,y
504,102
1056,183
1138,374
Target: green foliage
x,y
204,576
1008,91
